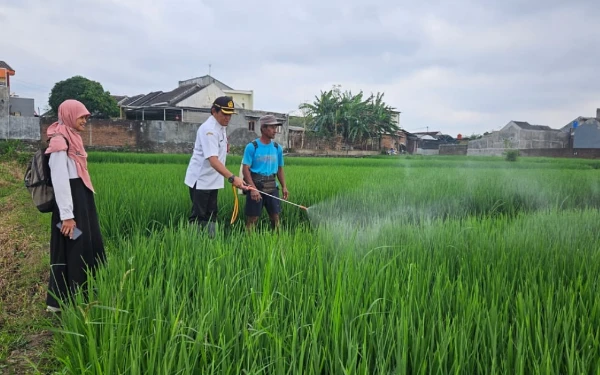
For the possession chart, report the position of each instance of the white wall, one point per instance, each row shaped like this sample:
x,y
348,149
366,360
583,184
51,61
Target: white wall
x,y
241,99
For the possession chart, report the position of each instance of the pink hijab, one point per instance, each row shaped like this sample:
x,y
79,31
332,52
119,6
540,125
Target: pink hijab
x,y
69,111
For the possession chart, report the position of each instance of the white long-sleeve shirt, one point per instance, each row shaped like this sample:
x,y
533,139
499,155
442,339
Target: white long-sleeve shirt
x,y
63,169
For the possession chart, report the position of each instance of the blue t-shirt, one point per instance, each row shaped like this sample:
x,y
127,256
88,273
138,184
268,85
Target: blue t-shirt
x,y
264,159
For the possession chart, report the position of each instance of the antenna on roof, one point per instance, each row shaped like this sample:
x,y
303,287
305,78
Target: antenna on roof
x,y
208,69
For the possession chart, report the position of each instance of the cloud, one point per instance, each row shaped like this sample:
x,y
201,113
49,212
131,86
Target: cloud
x,y
466,66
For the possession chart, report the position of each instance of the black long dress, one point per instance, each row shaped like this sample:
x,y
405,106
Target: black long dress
x,y
71,260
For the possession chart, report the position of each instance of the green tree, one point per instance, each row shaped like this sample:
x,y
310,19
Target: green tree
x,y
322,113
90,93
353,117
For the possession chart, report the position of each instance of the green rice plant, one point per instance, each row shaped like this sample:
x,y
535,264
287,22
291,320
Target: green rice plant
x,y
396,268
151,195
456,162
468,296
145,158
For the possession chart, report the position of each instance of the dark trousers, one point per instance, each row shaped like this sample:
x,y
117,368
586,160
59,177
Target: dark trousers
x,y
204,205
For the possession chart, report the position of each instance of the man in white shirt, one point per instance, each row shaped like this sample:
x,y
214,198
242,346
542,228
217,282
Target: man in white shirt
x,y
206,171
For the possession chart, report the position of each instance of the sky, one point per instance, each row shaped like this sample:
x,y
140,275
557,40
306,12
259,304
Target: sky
x,y
460,66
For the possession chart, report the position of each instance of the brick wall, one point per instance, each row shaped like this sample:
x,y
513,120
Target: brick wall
x,y
105,134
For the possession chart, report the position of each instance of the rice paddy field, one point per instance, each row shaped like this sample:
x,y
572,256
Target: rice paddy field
x,y
402,265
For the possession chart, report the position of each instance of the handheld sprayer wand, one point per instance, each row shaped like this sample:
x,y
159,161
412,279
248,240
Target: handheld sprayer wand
x,y
272,196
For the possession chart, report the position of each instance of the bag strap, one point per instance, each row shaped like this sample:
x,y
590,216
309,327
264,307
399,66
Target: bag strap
x,y
256,144
65,138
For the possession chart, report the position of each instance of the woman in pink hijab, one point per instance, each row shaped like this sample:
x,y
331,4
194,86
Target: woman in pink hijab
x,y
71,253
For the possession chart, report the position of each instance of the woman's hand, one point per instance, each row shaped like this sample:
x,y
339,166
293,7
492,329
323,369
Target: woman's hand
x,y
68,227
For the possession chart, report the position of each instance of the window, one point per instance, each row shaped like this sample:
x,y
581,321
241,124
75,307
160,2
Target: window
x,y
243,105
251,126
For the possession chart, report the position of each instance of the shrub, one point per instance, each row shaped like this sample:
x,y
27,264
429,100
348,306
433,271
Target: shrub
x,y
9,149
511,155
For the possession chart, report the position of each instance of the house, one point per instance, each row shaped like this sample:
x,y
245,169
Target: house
x,y
191,102
518,135
401,141
181,103
242,98
584,132
17,115
17,106
428,143
296,136
21,106
522,135
5,73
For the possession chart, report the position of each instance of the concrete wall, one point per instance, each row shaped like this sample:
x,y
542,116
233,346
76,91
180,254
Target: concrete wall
x,y
4,106
584,153
453,149
153,136
486,151
18,127
587,135
195,117
241,137
427,151
240,121
515,138
356,153
22,106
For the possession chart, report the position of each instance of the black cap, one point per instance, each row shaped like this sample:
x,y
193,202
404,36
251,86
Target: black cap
x,y
224,104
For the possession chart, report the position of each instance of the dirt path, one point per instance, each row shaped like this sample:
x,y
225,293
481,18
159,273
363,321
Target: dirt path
x,y
24,236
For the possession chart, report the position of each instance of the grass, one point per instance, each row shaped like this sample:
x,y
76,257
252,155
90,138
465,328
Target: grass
x,y
402,265
496,295
24,335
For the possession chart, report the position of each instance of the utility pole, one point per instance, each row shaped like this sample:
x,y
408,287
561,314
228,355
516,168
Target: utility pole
x,y
209,69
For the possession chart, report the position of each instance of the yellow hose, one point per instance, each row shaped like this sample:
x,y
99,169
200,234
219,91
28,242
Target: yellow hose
x,y
235,206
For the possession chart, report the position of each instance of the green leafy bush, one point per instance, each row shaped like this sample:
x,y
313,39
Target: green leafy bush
x,y
511,155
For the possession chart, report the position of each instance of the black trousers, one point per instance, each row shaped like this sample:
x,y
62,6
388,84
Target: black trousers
x,y
71,260
204,205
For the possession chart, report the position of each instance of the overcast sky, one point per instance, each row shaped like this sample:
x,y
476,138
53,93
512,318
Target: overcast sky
x,y
455,66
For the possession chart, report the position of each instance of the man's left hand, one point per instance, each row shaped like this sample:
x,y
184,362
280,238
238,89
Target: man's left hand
x,y
285,193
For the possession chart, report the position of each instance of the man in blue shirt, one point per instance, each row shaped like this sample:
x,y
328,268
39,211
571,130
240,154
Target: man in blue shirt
x,y
261,165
